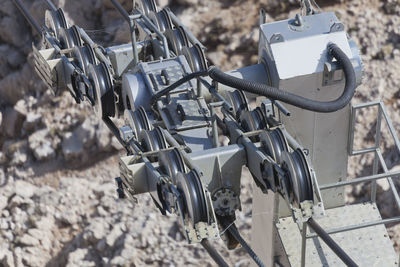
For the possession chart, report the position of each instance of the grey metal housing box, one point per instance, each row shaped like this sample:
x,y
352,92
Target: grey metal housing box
x,y
296,59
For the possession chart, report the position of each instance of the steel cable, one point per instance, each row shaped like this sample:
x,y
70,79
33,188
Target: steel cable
x,y
235,233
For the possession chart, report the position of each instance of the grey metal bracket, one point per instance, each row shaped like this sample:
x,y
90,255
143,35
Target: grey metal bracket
x,y
337,27
277,38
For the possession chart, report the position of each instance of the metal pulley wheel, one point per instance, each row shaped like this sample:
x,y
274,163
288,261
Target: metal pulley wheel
x,y
129,120
225,202
141,120
137,120
147,6
195,57
238,101
152,140
195,207
102,90
298,176
274,143
161,19
55,20
171,163
69,38
177,39
83,57
252,120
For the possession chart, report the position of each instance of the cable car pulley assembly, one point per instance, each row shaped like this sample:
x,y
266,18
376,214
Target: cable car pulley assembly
x,y
174,107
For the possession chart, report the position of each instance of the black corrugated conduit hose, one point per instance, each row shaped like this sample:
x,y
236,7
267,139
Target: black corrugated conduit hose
x,y
276,94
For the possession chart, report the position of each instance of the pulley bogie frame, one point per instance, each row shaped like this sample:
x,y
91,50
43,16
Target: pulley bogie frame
x,y
165,157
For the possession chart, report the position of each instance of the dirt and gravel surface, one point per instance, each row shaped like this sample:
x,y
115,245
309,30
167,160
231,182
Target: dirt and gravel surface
x,y
58,162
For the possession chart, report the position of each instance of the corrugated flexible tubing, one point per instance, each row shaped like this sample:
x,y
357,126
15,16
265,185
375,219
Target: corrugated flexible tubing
x,y
305,103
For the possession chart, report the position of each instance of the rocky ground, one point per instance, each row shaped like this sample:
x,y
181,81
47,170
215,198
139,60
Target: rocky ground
x,y
57,161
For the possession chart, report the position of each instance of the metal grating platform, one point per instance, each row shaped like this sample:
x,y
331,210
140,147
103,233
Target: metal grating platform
x,y
369,246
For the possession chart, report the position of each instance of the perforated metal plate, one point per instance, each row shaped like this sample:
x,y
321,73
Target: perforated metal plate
x,y
366,246
175,73
196,114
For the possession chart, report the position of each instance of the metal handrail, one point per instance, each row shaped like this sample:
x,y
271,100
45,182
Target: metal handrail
x,y
369,178
378,159
358,226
